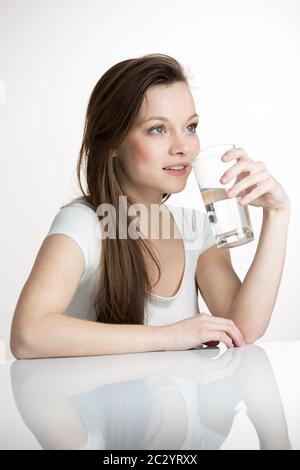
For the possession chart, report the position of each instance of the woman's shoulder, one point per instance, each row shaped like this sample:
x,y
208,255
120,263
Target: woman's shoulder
x,y
76,215
78,211
81,203
79,221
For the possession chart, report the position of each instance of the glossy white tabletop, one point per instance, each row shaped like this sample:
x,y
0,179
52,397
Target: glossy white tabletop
x,y
243,398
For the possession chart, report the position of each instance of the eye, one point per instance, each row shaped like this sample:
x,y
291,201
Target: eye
x,y
157,127
193,126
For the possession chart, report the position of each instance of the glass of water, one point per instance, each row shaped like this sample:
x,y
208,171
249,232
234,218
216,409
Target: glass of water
x,y
230,222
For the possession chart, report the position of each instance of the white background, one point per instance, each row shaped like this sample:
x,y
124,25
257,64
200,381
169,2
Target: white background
x,y
243,60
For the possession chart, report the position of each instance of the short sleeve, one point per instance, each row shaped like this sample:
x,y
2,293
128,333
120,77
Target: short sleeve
x,y
78,222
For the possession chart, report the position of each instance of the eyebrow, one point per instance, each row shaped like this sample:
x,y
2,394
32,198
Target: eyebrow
x,y
161,118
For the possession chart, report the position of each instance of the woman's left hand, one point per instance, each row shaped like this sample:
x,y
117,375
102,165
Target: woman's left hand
x,y
254,184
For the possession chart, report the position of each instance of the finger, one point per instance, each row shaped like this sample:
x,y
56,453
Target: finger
x,y
231,329
238,153
263,188
242,166
225,339
247,182
219,335
211,321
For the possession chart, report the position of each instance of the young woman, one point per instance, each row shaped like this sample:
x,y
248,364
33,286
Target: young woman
x,y
89,294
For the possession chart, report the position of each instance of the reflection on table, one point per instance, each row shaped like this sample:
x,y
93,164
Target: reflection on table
x,y
163,400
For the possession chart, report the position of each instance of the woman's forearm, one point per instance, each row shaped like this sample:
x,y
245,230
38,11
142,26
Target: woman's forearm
x,y
57,335
253,305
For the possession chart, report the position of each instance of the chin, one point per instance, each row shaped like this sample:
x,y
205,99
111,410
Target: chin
x,y
174,189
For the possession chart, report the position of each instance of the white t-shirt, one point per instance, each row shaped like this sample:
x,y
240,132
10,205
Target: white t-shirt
x,y
79,221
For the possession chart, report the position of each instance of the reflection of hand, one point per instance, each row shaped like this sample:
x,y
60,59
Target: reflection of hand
x,y
58,379
201,366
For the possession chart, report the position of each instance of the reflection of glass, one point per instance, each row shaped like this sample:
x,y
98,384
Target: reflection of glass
x,y
178,400
230,222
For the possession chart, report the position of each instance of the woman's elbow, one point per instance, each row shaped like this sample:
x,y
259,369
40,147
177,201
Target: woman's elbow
x,y
21,345
17,350
251,337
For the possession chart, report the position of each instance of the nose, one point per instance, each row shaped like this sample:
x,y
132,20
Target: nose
x,y
179,145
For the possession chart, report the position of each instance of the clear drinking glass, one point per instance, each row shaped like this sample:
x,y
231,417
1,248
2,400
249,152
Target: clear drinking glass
x,y
230,222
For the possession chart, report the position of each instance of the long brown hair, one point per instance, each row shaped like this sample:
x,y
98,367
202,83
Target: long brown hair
x,y
113,108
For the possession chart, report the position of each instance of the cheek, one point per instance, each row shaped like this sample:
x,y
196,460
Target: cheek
x,y
196,146
148,153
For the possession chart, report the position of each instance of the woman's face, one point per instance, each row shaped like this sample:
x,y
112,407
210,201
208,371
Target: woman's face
x,y
156,143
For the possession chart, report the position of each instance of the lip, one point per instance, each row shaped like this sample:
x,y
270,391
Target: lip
x,y
185,164
177,172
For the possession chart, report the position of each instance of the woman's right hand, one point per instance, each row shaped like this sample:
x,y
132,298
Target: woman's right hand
x,y
201,329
